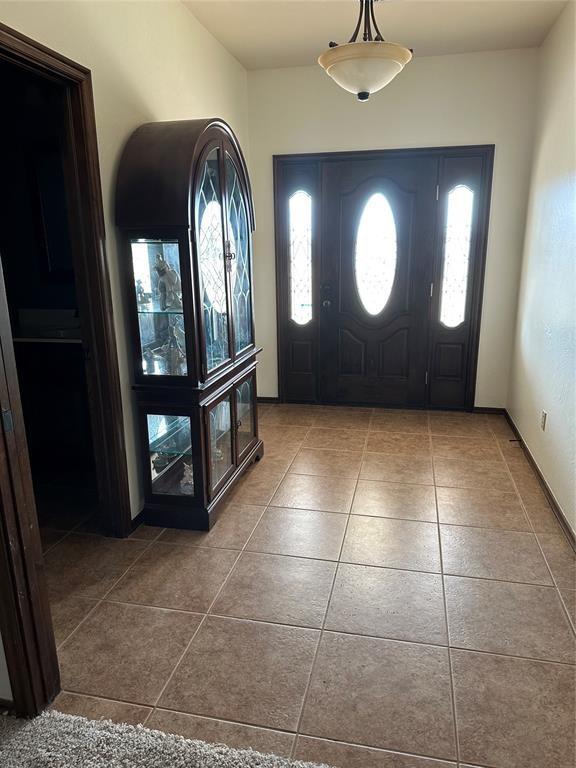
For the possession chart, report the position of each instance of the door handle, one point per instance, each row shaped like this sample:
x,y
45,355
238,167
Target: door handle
x,y
326,303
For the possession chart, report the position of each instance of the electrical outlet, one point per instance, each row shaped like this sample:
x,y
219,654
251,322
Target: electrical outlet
x,y
543,417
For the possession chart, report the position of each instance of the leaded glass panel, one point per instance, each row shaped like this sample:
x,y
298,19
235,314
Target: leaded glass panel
x,y
212,264
456,256
245,415
300,240
238,233
376,254
220,440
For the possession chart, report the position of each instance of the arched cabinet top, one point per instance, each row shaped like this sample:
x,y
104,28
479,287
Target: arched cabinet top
x,y
159,169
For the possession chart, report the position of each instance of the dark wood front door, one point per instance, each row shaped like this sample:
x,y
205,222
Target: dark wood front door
x,y
379,273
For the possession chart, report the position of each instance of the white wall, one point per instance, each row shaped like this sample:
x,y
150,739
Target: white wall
x,y
149,61
544,362
5,687
478,98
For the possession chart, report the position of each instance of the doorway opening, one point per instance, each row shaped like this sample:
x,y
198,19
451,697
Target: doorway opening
x,y
380,268
36,251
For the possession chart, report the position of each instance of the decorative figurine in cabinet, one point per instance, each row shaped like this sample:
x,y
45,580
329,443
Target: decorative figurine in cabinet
x,y
184,208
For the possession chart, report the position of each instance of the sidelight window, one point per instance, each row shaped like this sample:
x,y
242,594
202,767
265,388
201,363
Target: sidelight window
x,y
300,239
456,257
376,254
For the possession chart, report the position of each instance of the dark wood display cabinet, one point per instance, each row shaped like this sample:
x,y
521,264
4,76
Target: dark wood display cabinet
x,y
185,211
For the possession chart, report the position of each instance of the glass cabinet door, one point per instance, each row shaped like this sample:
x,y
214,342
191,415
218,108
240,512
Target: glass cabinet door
x,y
170,451
239,247
245,432
211,263
158,289
220,440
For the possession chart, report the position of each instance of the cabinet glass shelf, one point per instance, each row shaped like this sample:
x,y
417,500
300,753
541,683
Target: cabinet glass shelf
x,y
170,450
158,288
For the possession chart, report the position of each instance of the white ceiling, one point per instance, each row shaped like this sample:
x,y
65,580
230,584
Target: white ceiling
x,y
286,33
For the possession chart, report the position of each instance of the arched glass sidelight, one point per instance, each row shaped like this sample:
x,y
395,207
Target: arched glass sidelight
x,y
300,242
376,254
456,257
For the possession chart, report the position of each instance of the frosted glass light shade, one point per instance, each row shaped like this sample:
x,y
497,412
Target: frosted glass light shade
x,y
366,67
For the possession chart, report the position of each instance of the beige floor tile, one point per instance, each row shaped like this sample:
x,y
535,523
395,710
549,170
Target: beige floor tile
x,y
409,422
482,508
146,533
404,544
491,554
411,502
510,619
278,451
569,598
88,566
335,439
398,443
286,590
327,494
299,532
343,418
397,468
341,755
459,424
244,671
49,537
514,713
125,652
381,693
466,473
560,557
289,415
232,529
281,435
543,519
67,613
475,448
212,731
400,605
175,576
327,463
500,426
100,709
257,486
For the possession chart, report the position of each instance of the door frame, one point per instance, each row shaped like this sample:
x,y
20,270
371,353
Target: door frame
x,y
281,246
24,619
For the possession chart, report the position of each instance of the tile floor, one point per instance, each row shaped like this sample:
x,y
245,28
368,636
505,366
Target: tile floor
x,y
385,589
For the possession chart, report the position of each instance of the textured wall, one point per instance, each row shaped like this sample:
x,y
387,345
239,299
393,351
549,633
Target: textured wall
x,y
544,362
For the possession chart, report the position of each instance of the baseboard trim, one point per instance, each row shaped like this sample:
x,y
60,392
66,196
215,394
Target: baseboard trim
x,y
137,521
265,400
483,409
566,527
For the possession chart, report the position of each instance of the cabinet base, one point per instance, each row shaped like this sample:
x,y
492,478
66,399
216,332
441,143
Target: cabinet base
x,y
198,518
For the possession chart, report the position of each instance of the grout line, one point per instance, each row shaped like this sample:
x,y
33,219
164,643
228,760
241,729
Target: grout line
x,y
322,628
534,533
449,654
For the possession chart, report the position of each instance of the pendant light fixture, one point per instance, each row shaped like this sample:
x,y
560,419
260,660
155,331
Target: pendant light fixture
x,y
367,66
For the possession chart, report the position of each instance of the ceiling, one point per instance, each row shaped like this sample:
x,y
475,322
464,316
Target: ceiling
x,y
288,33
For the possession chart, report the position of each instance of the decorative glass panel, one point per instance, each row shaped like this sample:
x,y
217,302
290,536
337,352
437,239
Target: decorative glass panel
x,y
169,445
158,287
238,232
220,440
376,254
456,256
244,415
212,264
300,239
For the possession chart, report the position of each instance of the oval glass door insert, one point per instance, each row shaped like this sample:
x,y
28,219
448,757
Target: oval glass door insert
x,y
376,254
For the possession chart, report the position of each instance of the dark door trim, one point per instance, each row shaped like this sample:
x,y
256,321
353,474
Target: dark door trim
x,y
26,606
307,169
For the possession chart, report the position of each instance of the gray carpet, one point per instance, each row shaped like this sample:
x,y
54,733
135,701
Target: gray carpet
x,y
55,740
